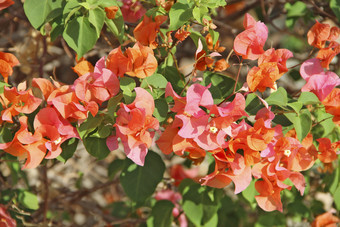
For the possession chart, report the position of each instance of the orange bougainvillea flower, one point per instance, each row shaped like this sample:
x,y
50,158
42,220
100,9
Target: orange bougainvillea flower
x,y
5,3
326,220
111,11
318,35
138,61
143,61
7,62
326,55
146,31
183,33
83,67
221,65
332,104
327,150
262,77
211,45
280,56
18,102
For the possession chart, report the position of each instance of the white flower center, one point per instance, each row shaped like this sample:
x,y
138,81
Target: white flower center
x,y
287,153
213,129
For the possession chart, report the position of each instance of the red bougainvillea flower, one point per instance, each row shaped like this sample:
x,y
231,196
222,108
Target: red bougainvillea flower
x,y
98,86
326,220
332,104
5,219
18,102
280,56
138,61
5,3
134,124
146,31
262,77
318,34
7,61
249,43
111,11
319,82
132,10
179,173
183,33
175,198
202,59
327,150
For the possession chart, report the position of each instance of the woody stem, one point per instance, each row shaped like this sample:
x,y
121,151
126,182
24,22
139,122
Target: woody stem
x,y
237,77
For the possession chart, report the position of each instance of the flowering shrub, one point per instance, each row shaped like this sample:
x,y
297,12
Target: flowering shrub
x,y
230,113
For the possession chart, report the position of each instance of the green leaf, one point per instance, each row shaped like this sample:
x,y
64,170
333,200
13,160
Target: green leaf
x,y
96,147
37,11
5,134
250,192
89,125
28,200
296,106
253,104
161,109
173,76
307,98
155,85
161,215
180,13
271,219
80,35
127,84
199,13
140,182
116,26
302,123
335,6
113,104
336,196
278,98
115,166
96,18
68,147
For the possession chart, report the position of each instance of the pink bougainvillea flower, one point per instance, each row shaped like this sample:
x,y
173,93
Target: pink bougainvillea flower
x,y
319,82
179,173
98,86
332,104
325,220
5,3
135,126
262,77
280,56
327,150
5,219
18,102
146,31
318,35
249,43
7,61
132,10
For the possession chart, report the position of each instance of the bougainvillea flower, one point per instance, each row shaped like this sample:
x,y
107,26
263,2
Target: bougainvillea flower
x,y
181,145
326,55
25,145
332,104
117,62
83,67
5,219
18,102
211,46
7,62
249,43
179,173
266,114
318,34
325,220
132,10
280,56
134,126
327,150
111,12
269,198
5,3
310,67
165,140
221,65
146,31
235,171
98,86
50,121
143,61
183,33
262,77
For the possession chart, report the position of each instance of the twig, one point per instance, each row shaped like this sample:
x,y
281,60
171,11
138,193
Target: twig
x,y
45,180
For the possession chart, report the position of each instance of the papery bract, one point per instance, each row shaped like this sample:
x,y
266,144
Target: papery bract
x,y
5,219
318,34
332,104
280,56
132,10
7,60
